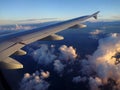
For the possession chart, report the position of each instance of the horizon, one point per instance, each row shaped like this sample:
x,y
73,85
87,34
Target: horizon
x,y
46,20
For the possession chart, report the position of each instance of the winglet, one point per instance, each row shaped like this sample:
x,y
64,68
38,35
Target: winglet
x,y
95,14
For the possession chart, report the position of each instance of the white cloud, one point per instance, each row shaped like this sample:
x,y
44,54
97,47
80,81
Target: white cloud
x,y
46,55
58,66
29,21
97,69
43,55
96,32
67,53
78,79
95,83
103,63
45,74
17,27
86,69
34,82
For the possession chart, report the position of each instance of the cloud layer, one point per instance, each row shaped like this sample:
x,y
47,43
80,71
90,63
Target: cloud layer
x,y
99,70
103,64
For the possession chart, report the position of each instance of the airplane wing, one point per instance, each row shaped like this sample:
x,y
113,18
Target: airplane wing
x,y
13,42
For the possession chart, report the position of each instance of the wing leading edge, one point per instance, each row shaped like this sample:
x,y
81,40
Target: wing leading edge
x,y
12,43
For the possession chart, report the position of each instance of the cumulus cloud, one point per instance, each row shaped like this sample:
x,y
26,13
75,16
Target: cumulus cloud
x,y
78,79
58,66
101,66
67,53
34,81
102,62
96,32
98,68
45,74
95,83
86,68
46,55
43,55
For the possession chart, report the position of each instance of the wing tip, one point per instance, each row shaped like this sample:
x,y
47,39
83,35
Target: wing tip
x,y
95,14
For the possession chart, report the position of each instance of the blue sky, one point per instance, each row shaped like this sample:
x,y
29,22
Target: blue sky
x,y
38,9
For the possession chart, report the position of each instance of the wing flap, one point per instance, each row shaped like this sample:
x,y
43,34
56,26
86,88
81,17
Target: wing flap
x,y
10,50
10,63
53,37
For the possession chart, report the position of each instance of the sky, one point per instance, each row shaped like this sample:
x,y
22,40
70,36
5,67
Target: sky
x,y
40,9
